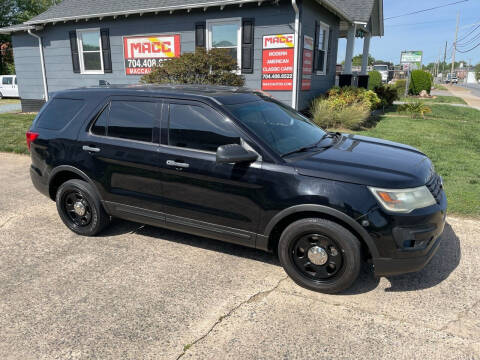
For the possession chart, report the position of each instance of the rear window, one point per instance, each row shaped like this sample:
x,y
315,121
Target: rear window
x,y
58,113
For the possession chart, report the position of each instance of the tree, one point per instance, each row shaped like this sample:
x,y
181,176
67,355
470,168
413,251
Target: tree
x,y
477,72
214,67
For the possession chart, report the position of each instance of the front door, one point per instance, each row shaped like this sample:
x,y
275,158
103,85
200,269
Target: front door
x,y
200,195
121,153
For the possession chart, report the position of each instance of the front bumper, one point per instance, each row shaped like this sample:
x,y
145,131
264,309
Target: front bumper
x,y
411,241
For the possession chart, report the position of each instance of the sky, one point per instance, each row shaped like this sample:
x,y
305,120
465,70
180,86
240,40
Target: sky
x,y
425,31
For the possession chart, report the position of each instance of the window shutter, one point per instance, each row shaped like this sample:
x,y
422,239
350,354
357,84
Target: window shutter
x,y
248,40
200,34
74,51
329,51
315,46
106,52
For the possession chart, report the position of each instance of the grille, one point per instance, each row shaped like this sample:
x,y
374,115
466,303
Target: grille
x,y
435,187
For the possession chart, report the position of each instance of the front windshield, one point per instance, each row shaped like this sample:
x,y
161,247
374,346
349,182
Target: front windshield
x,y
282,128
381,67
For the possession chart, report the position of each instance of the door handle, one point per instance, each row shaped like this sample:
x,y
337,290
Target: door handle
x,y
177,164
90,149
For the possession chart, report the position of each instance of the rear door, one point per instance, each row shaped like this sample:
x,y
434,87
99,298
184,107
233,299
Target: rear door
x,y
121,153
200,195
7,86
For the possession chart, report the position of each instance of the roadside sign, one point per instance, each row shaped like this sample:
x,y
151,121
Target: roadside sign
x,y
142,53
277,64
307,63
412,58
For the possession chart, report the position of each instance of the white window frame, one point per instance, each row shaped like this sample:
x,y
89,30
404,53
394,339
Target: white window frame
x,y
80,51
326,28
236,21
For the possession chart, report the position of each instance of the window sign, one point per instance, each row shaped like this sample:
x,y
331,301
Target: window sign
x,y
307,67
277,66
142,53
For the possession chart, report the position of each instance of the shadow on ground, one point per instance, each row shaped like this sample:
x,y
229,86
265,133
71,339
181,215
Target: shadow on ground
x,y
439,269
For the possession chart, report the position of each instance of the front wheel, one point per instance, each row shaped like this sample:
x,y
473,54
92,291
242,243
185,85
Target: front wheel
x,y
320,255
80,209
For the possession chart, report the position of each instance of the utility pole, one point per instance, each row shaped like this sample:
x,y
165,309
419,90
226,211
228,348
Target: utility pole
x,y
444,57
455,45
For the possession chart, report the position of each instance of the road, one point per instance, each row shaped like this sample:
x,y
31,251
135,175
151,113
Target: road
x,y
138,292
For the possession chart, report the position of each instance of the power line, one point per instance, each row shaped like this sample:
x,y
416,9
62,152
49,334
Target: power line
x,y
424,10
472,40
471,32
464,52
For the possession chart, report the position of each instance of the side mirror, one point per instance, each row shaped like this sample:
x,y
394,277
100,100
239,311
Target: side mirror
x,y
234,153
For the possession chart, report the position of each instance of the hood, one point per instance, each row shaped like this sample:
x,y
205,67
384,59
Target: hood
x,y
368,161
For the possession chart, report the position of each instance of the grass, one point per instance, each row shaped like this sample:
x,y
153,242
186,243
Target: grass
x,y
12,132
439,100
450,136
440,87
9,101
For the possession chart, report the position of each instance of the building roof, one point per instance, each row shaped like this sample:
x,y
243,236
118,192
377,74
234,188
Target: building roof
x,y
68,10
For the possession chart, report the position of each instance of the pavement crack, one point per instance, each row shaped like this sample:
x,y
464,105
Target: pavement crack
x,y
258,296
460,316
8,220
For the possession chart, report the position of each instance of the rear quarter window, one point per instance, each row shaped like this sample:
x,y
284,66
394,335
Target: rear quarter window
x,y
59,112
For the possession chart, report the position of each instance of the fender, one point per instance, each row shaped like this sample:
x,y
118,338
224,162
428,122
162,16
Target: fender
x,y
262,240
77,171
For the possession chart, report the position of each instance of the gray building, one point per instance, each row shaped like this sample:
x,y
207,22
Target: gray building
x,y
285,47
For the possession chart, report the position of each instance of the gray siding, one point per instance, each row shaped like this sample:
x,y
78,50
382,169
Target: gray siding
x,y
311,12
269,19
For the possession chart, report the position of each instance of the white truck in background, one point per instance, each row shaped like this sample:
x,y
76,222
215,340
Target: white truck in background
x,y
8,86
383,70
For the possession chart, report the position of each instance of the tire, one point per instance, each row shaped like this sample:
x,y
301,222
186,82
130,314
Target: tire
x,y
315,240
1,95
78,192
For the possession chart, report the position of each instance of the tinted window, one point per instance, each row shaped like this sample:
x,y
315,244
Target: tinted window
x,y
16,81
132,120
100,126
58,113
7,81
196,127
280,127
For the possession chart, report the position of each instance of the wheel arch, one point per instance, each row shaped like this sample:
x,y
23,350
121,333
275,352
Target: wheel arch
x,y
63,173
284,218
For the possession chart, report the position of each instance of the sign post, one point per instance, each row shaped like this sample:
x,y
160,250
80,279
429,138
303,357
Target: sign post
x,y
277,64
142,53
411,60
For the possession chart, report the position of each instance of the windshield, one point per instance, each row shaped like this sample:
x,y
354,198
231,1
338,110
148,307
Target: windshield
x,y
381,67
282,128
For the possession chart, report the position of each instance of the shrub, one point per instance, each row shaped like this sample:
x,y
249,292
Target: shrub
x,y
387,94
375,79
328,114
215,67
350,95
415,109
420,80
400,86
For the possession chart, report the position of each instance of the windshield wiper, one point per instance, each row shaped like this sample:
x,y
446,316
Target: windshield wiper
x,y
305,148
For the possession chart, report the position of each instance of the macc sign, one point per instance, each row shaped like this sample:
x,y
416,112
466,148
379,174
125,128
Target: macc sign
x,y
142,53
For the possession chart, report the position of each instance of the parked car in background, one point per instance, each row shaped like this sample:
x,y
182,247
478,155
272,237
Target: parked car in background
x,y
451,79
383,70
241,167
8,86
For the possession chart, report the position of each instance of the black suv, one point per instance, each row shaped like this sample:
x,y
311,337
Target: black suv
x,y
238,166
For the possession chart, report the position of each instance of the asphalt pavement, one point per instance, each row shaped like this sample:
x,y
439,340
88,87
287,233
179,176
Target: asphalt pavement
x,y
139,292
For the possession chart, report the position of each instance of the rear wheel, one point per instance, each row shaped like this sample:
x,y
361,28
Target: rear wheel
x,y
320,255
1,95
80,209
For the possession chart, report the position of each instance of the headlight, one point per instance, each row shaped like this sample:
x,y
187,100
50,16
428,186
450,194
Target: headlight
x,y
403,200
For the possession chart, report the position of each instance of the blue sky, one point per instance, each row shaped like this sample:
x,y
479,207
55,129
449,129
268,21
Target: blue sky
x,y
426,31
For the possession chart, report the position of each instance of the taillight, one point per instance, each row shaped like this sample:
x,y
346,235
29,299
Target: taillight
x,y
31,136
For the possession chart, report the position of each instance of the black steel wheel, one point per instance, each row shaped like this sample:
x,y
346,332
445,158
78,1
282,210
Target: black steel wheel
x,y
80,209
320,255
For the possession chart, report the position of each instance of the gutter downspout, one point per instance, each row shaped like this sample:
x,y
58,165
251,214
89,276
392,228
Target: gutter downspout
x,y
295,56
42,62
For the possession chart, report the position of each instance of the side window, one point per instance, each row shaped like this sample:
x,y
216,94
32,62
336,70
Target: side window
x,y
100,125
7,80
132,120
58,113
16,83
196,127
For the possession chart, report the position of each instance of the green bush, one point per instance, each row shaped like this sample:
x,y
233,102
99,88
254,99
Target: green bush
x,y
215,67
329,115
350,95
420,80
415,109
400,86
375,79
387,94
